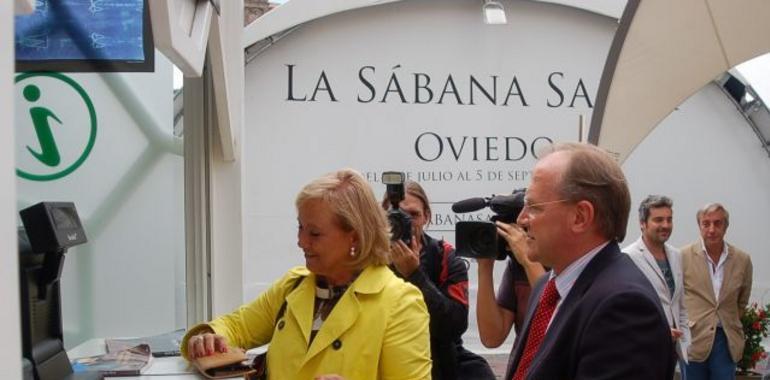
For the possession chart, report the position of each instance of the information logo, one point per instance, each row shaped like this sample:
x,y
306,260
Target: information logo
x,y
55,125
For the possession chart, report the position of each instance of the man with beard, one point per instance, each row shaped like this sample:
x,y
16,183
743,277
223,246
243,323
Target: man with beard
x,y
661,263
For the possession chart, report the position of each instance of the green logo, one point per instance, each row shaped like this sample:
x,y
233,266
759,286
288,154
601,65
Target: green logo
x,y
56,125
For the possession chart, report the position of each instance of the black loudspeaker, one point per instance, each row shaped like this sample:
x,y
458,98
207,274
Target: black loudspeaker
x,y
52,226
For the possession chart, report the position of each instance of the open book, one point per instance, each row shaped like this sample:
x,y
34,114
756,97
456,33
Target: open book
x,y
132,361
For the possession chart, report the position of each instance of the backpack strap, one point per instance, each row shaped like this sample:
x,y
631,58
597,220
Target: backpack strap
x,y
282,310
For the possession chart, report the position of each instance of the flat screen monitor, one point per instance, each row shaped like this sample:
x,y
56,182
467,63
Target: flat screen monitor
x,y
85,36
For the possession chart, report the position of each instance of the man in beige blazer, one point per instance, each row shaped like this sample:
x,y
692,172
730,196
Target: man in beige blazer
x,y
717,282
661,263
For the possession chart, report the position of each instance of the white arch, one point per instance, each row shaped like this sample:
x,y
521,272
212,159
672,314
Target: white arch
x,y
665,51
297,12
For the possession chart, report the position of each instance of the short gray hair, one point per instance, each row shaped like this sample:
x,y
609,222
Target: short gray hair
x,y
711,207
653,201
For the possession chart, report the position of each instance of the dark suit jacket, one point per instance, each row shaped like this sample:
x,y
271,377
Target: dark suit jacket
x,y
610,326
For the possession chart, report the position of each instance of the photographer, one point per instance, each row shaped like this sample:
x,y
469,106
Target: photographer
x,y
433,267
495,317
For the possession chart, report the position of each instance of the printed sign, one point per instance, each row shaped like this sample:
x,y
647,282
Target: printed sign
x,y
459,106
55,125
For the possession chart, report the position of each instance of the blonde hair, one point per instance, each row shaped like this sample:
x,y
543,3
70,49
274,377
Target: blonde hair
x,y
352,201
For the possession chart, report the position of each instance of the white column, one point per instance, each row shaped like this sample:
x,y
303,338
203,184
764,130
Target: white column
x,y
225,190
10,350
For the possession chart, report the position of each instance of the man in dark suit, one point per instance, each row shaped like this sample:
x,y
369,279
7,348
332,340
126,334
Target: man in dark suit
x,y
594,315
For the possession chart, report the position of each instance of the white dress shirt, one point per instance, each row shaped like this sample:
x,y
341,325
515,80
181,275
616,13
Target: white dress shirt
x,y
566,279
717,271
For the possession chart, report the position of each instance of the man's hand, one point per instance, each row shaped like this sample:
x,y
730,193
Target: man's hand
x,y
405,259
517,241
676,334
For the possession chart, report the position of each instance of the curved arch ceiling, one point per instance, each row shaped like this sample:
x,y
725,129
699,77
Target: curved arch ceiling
x,y
665,51
296,12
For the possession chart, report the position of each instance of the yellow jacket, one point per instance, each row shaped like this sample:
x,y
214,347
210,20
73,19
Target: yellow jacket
x,y
377,330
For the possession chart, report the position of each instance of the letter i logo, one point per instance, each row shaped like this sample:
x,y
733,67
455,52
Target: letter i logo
x,y
49,154
55,126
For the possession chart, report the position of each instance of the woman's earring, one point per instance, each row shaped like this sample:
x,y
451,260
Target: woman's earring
x,y
352,251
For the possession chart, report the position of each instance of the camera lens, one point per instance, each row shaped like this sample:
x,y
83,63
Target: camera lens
x,y
400,226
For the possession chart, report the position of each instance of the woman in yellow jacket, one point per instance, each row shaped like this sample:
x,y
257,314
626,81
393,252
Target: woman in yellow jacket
x,y
346,315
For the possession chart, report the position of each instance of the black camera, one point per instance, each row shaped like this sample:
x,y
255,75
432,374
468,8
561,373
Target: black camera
x,y
400,222
477,239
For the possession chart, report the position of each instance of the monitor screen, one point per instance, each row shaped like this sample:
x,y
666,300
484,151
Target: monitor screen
x,y
65,218
85,36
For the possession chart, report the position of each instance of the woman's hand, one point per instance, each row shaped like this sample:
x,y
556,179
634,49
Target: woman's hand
x,y
405,259
205,344
329,377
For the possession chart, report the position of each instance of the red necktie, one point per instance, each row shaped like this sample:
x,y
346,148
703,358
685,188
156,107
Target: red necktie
x,y
537,328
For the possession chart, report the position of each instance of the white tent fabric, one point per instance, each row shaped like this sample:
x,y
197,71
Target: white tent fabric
x,y
663,52
297,12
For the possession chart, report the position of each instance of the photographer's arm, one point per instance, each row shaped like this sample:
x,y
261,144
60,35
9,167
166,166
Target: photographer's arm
x,y
517,243
494,321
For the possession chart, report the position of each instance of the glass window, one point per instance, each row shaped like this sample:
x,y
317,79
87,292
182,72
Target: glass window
x,y
111,143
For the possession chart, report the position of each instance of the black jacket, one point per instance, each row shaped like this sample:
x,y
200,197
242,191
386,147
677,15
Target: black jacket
x,y
443,279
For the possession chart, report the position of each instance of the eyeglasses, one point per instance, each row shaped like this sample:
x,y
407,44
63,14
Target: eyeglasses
x,y
537,208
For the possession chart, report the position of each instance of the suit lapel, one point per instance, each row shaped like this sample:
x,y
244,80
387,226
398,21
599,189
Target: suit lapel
x,y
299,304
650,260
568,305
347,310
342,317
703,272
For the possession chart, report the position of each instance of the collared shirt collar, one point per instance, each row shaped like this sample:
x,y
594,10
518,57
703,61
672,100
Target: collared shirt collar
x,y
666,247
722,257
566,279
716,270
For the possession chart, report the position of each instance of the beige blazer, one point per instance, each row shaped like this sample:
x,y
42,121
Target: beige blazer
x,y
673,306
705,309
